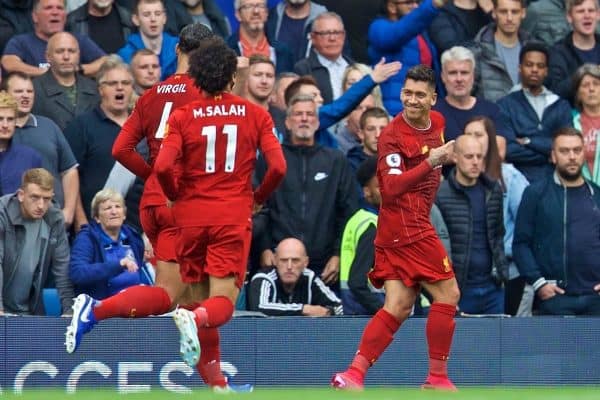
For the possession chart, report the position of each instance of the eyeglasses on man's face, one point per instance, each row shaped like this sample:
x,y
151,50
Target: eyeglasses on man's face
x,y
335,34
252,7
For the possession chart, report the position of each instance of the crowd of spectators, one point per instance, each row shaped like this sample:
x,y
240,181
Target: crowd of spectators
x,y
518,83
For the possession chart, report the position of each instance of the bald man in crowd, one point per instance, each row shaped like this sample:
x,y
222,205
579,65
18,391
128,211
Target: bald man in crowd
x,y
290,288
63,92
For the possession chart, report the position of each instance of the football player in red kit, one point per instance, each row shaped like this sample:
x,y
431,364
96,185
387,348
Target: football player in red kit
x,y
148,121
214,140
408,253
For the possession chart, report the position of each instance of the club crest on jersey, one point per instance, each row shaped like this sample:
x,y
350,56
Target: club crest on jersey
x,y
425,149
446,264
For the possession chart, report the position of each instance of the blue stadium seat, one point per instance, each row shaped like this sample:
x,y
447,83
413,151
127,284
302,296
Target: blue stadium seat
x,y
51,302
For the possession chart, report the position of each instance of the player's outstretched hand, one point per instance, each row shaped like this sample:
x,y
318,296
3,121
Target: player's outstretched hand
x,y
383,71
441,155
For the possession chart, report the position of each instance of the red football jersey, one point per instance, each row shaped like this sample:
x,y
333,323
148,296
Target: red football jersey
x,y
148,120
407,182
216,140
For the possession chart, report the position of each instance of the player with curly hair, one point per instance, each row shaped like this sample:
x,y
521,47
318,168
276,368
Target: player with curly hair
x,y
148,122
213,143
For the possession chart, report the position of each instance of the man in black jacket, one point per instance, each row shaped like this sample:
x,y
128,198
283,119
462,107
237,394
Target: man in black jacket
x,y
326,61
290,288
471,205
316,198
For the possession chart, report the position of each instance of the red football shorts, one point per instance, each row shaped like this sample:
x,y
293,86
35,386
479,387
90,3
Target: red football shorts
x,y
159,225
219,251
424,260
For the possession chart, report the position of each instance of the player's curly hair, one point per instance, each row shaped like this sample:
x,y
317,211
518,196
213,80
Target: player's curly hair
x,y
192,35
213,65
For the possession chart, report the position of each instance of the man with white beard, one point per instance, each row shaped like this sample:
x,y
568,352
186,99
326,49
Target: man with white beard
x,y
106,23
290,22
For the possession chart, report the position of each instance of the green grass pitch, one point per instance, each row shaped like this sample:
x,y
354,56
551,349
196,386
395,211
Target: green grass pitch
x,y
497,393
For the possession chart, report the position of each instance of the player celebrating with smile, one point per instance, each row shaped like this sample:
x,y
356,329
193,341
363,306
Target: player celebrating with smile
x,y
408,253
214,140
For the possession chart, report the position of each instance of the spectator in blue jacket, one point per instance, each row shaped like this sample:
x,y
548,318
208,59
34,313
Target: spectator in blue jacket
x,y
401,36
150,18
532,114
330,114
107,255
556,244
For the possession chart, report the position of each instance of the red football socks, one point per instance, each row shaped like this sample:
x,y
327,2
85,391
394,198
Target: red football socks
x,y
214,312
439,331
377,336
209,366
134,302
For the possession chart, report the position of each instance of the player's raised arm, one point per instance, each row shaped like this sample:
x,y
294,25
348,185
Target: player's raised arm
x,y
396,180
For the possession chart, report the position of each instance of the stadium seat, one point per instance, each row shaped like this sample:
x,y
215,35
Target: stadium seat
x,y
51,302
